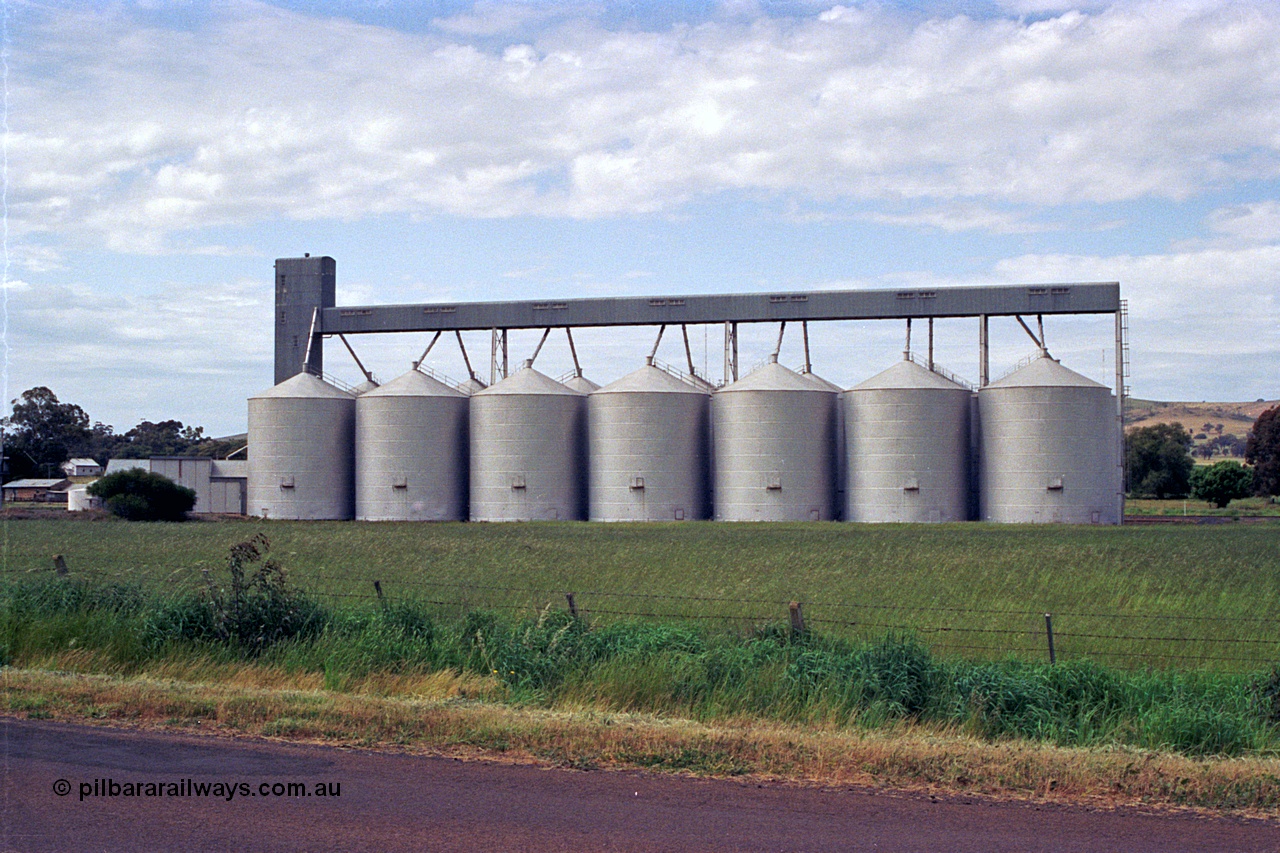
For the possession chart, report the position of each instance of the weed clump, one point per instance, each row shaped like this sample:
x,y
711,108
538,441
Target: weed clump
x,y
254,611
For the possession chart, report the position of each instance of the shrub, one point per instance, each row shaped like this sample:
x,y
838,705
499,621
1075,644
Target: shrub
x,y
1222,483
138,495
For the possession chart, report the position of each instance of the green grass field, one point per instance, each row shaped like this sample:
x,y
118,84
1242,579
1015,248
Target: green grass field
x,y
1185,597
1242,507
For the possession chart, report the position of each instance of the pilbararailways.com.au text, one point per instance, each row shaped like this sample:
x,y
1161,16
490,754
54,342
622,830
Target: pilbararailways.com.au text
x,y
228,790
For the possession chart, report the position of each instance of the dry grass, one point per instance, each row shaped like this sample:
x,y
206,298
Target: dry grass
x,y
440,714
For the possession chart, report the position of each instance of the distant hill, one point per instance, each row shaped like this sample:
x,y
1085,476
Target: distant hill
x,y
1207,422
1234,417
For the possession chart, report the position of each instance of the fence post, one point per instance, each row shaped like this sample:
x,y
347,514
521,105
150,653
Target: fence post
x,y
59,565
797,619
377,587
1048,630
573,607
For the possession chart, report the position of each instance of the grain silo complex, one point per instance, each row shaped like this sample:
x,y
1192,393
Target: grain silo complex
x,y
1048,448
302,463
907,446
648,457
911,444
411,451
527,449
774,448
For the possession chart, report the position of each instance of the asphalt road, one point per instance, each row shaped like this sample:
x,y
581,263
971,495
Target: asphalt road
x,y
382,802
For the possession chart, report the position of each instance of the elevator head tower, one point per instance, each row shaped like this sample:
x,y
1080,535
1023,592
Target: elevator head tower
x,y
304,287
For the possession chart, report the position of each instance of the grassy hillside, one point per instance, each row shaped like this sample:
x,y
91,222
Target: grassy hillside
x,y
1194,415
1210,420
1130,596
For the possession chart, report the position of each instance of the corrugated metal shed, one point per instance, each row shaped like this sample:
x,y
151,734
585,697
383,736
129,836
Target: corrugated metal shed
x,y
115,465
220,484
190,472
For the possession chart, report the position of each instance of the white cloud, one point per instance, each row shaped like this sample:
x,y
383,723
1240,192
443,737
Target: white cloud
x,y
175,351
127,134
1203,323
1258,222
956,218
491,19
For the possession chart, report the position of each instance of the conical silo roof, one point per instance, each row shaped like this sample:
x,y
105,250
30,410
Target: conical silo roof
x,y
649,380
821,383
581,384
772,377
471,386
414,383
526,380
304,386
1045,372
907,376
364,387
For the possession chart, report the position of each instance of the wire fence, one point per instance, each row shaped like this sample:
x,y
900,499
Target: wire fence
x,y
1132,638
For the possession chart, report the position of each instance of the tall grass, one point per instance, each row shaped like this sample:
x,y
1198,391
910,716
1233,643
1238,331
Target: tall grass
x,y
1213,590
553,659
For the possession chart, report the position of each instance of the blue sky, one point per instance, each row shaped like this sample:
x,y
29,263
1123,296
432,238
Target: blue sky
x,y
162,155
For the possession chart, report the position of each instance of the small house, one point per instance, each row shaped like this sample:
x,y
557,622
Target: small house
x,y
39,491
81,467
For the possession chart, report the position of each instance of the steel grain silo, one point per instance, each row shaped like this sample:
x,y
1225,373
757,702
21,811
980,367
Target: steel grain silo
x,y
907,447
411,451
1048,447
301,451
527,449
774,448
647,435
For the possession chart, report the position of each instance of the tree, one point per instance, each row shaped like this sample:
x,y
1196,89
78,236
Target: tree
x,y
1158,461
1262,451
1221,483
166,438
42,433
139,495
